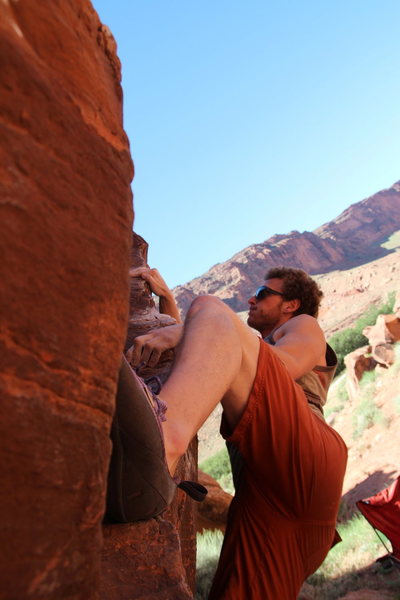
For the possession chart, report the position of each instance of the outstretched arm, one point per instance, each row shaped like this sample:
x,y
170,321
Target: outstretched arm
x,y
159,288
147,349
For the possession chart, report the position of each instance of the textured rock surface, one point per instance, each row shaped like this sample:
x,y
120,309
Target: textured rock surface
x,y
141,552
357,363
385,331
212,513
148,553
66,217
351,239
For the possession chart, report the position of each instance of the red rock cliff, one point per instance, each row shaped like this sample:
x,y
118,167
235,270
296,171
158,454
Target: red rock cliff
x,y
66,218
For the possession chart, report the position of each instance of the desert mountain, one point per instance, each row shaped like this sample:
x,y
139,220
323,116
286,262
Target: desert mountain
x,y
356,237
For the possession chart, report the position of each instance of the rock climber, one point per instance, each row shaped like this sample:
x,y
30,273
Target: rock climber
x,y
288,463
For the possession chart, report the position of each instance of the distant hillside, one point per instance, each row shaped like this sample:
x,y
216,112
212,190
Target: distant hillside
x,y
355,237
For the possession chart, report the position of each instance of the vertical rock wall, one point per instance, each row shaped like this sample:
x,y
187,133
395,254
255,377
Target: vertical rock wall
x,y
155,558
65,219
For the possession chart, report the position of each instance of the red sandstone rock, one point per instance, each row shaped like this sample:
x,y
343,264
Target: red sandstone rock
x,y
392,323
66,217
382,336
145,567
385,330
212,513
357,363
149,553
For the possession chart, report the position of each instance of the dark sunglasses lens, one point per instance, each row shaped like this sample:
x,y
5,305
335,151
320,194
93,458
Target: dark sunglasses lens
x,y
261,293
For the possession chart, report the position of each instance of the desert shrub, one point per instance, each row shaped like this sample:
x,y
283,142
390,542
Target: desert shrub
x,y
342,392
370,316
344,342
208,550
367,413
338,396
217,465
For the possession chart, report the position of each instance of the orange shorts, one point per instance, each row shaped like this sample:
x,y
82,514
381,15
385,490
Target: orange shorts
x,y
282,520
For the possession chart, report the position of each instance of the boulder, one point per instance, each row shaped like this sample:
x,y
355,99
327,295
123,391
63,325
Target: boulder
x,y
141,551
147,552
212,513
386,330
356,364
392,323
66,227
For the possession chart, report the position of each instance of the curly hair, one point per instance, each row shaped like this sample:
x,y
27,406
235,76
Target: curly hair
x,y
297,284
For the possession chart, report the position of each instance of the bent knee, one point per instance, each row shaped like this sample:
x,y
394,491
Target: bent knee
x,y
206,302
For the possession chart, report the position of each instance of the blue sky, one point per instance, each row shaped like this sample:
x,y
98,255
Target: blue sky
x,y
250,119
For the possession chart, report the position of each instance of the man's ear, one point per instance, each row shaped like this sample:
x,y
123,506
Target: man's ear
x,y
291,305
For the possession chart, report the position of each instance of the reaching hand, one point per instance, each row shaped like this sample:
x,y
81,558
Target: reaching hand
x,y
159,287
153,278
147,349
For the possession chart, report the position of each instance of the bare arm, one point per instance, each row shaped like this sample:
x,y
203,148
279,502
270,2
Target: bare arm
x,y
300,344
159,287
148,348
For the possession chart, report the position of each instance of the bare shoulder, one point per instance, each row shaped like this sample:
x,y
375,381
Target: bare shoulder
x,y
300,343
303,325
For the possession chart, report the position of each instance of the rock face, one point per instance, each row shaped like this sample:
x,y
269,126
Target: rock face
x,y
143,560
66,220
357,363
351,239
379,353
156,558
212,513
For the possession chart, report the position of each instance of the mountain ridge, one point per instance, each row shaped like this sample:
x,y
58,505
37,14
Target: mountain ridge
x,y
351,239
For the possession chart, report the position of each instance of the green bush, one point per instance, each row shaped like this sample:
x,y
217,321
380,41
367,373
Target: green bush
x,y
367,413
370,316
348,340
217,465
345,342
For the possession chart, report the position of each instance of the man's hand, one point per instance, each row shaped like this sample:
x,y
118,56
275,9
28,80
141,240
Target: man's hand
x,y
159,287
147,349
153,278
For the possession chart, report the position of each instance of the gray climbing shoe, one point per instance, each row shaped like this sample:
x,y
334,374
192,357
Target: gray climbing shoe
x,y
139,483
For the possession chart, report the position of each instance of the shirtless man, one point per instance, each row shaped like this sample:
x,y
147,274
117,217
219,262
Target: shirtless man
x,y
291,464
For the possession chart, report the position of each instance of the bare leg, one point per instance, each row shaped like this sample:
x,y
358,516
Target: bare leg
x,y
216,361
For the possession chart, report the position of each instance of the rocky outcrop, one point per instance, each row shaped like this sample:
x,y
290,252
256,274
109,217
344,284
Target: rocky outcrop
x,y
357,363
380,352
143,560
351,239
212,513
156,558
66,221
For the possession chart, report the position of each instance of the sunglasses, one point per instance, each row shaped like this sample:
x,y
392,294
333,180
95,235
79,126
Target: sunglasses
x,y
264,291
